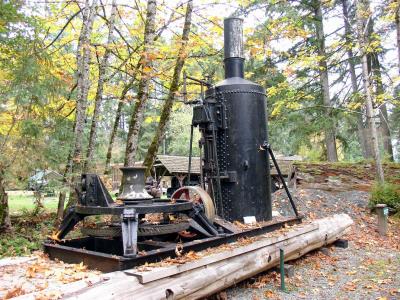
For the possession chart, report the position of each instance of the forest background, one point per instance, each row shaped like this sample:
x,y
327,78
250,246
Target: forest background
x,y
85,84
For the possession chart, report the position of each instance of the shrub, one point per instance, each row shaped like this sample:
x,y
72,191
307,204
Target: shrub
x,y
386,193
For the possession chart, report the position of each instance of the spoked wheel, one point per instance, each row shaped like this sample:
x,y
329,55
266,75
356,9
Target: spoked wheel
x,y
196,194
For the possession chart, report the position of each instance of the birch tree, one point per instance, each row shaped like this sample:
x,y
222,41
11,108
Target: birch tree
x,y
363,18
82,74
397,23
173,89
121,103
100,86
146,67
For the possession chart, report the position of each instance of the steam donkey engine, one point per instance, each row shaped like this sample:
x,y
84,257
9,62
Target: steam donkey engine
x,y
235,184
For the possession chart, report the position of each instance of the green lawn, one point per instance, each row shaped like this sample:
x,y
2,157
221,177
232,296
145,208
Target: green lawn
x,y
19,203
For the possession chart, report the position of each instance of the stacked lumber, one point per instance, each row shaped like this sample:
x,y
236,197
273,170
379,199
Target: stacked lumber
x,y
212,273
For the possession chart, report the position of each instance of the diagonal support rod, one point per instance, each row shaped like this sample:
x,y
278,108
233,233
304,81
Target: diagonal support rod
x,y
267,147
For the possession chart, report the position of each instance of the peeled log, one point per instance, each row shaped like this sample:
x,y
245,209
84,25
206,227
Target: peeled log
x,y
218,275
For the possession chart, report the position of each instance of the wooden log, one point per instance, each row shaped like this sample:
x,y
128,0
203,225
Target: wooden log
x,y
158,273
208,279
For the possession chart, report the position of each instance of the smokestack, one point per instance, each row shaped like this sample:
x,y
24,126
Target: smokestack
x,y
233,47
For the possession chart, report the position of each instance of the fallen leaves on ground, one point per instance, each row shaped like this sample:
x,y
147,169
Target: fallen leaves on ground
x,y
38,275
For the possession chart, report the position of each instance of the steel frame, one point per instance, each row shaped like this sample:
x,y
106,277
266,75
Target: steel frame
x,y
93,251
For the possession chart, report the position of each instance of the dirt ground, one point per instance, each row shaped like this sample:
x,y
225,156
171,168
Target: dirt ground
x,y
368,269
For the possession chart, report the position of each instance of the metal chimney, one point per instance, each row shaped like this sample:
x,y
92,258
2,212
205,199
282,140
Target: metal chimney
x,y
233,47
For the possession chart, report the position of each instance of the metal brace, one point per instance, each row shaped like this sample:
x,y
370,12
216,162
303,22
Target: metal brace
x,y
197,215
129,225
266,146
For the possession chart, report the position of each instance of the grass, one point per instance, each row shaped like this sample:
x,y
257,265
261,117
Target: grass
x,y
20,203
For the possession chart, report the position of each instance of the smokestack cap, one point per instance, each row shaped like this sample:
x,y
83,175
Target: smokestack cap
x,y
233,37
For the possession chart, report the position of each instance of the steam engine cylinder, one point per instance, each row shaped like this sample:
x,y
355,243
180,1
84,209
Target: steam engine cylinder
x,y
234,116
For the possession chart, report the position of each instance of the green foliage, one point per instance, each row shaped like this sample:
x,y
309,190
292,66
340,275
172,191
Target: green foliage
x,y
386,193
27,235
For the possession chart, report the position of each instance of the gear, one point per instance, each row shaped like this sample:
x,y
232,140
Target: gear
x,y
143,230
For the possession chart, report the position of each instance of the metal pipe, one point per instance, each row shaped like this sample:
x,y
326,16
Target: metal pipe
x,y
190,154
233,48
282,268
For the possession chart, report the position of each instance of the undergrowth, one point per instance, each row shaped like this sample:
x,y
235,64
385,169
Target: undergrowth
x,y
27,235
386,193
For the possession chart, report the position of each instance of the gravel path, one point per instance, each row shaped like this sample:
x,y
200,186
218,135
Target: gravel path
x,y
368,269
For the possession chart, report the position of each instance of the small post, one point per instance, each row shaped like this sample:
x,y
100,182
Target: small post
x,y
60,207
383,211
282,268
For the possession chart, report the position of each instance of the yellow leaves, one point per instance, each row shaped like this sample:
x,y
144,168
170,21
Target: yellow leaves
x,y
147,69
354,105
152,119
277,108
272,91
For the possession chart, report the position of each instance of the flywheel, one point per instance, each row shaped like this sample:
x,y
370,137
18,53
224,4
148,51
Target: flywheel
x,y
196,194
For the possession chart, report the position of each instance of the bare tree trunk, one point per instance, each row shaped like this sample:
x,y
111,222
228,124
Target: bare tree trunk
x,y
166,111
330,137
83,59
352,63
383,113
144,85
363,17
117,119
99,92
397,22
5,223
385,131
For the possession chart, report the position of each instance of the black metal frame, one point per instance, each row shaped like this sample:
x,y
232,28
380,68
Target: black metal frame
x,y
93,251
94,199
116,253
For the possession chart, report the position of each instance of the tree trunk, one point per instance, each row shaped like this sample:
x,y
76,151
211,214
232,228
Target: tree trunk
x,y
353,77
117,119
397,22
83,59
144,85
99,92
5,223
383,113
330,136
363,17
385,131
166,111
60,207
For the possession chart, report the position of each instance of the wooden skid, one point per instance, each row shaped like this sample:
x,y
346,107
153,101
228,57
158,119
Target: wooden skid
x,y
210,274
